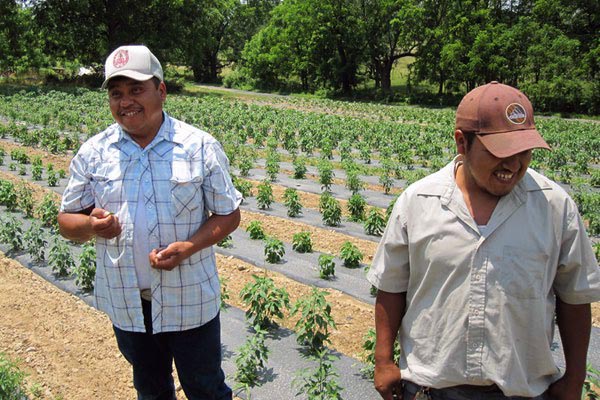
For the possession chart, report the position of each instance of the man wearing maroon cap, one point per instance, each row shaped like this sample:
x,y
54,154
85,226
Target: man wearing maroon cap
x,y
474,265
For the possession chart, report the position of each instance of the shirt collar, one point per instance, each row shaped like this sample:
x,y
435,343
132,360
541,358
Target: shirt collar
x,y
165,132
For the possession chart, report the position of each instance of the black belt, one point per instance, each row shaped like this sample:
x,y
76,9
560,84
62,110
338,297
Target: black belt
x,y
493,388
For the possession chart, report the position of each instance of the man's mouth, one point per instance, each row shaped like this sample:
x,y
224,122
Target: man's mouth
x,y
130,113
504,176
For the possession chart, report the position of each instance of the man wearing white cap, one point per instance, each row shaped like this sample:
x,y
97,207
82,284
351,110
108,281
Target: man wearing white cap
x,y
156,194
476,261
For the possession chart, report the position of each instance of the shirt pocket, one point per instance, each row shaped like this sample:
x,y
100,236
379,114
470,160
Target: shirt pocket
x,y
521,272
107,183
186,192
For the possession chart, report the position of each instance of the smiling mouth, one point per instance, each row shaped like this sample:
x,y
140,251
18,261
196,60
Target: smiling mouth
x,y
504,176
130,113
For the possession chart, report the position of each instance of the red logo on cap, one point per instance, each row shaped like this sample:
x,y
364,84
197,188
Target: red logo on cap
x,y
121,59
516,113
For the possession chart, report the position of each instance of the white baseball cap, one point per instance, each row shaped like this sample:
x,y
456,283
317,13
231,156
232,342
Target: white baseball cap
x,y
135,62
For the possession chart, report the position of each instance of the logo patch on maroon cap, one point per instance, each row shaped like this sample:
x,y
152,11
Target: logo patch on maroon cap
x,y
121,58
516,113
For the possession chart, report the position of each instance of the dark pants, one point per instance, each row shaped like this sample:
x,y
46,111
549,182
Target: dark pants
x,y
197,355
461,393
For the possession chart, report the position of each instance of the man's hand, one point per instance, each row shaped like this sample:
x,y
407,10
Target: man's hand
x,y
565,389
388,381
170,256
104,223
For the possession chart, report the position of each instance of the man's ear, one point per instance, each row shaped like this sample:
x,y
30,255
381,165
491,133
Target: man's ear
x,y
461,142
163,91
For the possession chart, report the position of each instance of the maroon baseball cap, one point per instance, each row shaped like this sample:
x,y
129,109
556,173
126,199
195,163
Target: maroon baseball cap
x,y
502,117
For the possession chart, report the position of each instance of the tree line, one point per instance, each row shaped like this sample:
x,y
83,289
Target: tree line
x,y
548,48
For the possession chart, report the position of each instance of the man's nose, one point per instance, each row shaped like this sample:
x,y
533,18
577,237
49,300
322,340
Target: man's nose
x,y
512,163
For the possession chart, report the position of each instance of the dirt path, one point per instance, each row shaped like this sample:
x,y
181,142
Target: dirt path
x,y
65,346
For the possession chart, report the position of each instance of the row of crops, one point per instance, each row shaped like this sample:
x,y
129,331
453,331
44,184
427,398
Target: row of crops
x,y
356,140
323,166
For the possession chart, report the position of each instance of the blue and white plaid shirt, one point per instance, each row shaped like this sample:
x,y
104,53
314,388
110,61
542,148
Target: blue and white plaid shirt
x,y
183,174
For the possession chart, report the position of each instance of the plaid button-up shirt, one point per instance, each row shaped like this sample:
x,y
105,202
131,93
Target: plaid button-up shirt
x,y
183,175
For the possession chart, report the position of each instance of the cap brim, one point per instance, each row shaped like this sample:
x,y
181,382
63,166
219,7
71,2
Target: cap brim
x,y
128,74
506,144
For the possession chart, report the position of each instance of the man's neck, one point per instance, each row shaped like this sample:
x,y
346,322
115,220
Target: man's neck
x,y
481,204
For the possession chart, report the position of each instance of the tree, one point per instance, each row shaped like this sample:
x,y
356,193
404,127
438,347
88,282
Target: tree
x,y
201,28
318,43
392,29
19,45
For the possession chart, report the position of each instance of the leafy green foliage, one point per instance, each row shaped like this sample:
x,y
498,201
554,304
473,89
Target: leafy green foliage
x,y
36,172
264,198
11,234
356,206
251,360
264,300
374,223
223,282
351,255
243,186
385,179
255,230
226,242
274,250
47,212
331,212
313,327
52,179
8,195
321,383
85,272
326,266
353,181
591,384
272,165
291,199
300,169
368,355
60,258
25,200
35,242
12,380
302,242
326,174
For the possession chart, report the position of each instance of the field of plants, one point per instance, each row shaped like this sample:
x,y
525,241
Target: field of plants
x,y
318,177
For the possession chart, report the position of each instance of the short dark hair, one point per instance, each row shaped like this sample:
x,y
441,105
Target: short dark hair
x,y
469,138
156,81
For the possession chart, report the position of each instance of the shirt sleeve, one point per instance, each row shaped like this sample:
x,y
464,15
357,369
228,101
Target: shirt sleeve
x,y
78,194
390,268
220,196
578,275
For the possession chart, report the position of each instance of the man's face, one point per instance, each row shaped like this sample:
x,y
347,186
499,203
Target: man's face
x,y
137,106
487,173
